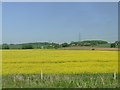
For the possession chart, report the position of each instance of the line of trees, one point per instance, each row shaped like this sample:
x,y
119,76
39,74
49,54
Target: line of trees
x,y
89,43
38,45
47,45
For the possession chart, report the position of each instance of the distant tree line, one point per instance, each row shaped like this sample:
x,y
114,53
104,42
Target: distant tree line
x,y
88,43
47,45
37,45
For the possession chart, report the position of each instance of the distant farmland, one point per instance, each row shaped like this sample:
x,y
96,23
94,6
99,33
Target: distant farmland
x,y
90,48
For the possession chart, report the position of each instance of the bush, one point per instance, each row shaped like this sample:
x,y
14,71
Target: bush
x,y
112,45
92,49
65,45
27,46
5,46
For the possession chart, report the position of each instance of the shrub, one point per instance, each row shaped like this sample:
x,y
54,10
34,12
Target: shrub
x,y
5,46
112,45
65,45
27,46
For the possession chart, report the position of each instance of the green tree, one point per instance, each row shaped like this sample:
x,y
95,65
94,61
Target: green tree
x,y
5,46
27,46
112,45
64,44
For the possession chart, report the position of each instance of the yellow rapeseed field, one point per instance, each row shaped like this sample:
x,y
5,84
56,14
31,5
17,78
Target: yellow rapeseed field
x,y
58,61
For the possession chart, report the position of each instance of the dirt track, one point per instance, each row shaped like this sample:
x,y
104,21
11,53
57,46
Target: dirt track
x,y
89,48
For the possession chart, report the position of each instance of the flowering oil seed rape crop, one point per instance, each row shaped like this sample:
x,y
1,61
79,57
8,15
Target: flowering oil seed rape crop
x,y
58,61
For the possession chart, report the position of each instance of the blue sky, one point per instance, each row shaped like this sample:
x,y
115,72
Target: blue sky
x,y
59,22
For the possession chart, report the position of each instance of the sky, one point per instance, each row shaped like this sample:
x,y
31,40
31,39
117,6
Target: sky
x,y
59,22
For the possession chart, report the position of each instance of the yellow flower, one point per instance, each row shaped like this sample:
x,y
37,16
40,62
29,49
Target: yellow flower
x,y
58,61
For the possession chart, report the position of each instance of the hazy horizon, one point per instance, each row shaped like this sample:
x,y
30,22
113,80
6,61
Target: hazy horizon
x,y
59,22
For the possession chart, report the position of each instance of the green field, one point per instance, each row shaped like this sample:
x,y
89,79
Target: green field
x,y
60,81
